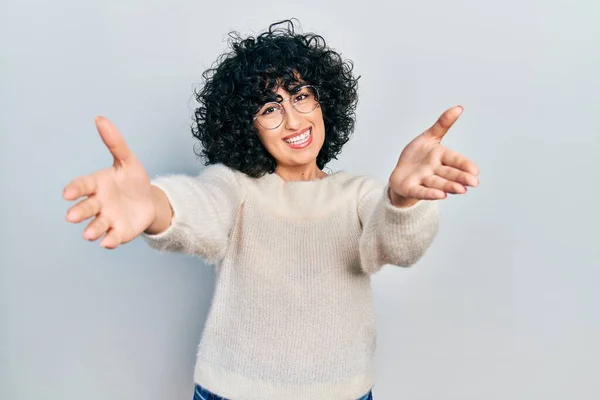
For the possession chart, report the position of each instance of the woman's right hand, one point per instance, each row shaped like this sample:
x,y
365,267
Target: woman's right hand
x,y
120,199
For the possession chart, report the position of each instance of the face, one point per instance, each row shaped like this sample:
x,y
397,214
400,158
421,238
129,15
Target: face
x,y
296,142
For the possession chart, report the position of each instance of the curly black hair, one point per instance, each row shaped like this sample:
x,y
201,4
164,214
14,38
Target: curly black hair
x,y
241,81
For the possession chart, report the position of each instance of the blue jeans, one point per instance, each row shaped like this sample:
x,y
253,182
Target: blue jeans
x,y
202,394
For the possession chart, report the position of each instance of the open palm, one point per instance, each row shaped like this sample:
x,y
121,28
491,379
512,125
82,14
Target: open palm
x,y
118,198
427,170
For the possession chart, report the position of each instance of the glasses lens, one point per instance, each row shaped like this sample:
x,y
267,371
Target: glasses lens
x,y
306,99
270,115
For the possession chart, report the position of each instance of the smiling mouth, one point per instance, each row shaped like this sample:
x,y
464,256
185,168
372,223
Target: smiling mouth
x,y
300,141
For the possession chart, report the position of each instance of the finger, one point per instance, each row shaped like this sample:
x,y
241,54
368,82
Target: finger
x,y
96,228
84,209
111,240
456,175
83,186
453,159
444,122
426,193
113,139
437,182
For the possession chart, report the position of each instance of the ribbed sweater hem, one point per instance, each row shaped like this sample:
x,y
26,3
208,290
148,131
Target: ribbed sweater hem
x,y
236,387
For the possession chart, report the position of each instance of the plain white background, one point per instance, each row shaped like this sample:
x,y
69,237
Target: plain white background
x,y
503,306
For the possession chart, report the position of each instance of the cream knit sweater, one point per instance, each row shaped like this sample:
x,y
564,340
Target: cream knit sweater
x,y
292,314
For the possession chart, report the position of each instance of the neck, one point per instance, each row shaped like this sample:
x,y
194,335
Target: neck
x,y
300,173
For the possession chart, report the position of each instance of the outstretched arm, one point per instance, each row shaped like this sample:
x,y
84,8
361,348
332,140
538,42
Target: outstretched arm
x,y
401,221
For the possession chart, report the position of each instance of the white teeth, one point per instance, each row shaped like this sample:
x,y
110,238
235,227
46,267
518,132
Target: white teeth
x,y
299,139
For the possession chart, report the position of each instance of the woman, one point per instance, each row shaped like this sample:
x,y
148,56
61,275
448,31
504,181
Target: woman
x,y
294,248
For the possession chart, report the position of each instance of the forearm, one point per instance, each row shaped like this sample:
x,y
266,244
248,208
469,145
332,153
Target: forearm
x,y
194,215
397,235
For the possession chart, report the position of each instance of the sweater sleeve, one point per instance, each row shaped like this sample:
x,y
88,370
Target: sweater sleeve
x,y
204,211
394,235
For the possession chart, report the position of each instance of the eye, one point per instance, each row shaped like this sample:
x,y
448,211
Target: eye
x,y
269,109
302,96
305,94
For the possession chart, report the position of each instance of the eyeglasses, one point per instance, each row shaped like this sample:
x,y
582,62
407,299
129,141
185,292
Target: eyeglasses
x,y
305,100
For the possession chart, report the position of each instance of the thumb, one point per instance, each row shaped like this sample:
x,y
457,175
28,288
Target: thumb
x,y
113,140
444,123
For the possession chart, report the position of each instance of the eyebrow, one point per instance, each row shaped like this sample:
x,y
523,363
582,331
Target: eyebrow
x,y
273,97
294,90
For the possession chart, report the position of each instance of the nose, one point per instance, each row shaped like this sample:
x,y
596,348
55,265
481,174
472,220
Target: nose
x,y
292,119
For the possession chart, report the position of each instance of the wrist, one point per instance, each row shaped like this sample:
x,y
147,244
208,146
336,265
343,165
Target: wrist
x,y
400,201
162,211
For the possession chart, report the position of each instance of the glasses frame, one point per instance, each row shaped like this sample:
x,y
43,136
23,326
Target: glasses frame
x,y
282,112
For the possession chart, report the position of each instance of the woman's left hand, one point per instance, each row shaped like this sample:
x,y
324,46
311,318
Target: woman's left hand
x,y
426,170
